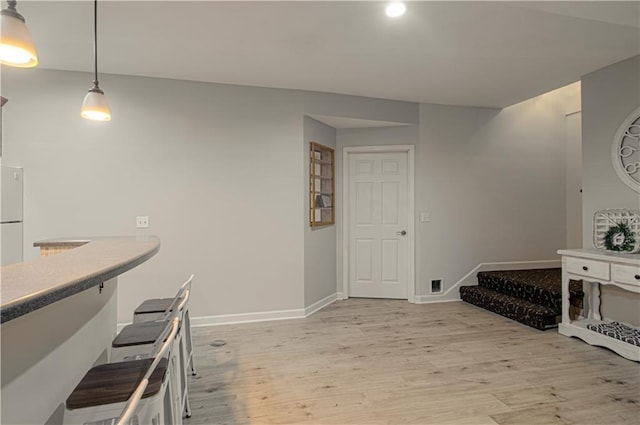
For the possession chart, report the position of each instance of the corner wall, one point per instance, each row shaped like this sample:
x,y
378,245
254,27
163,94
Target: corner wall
x,y
493,182
319,242
608,97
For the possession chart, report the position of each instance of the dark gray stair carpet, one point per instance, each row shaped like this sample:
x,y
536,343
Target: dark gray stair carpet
x,y
532,297
539,286
534,315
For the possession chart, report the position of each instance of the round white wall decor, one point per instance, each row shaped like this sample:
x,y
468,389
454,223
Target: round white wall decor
x,y
625,151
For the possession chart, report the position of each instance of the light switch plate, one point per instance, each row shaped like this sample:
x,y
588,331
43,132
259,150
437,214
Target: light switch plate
x,y
425,217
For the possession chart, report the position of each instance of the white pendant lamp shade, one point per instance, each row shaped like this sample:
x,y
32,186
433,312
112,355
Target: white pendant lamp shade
x,y
95,107
16,44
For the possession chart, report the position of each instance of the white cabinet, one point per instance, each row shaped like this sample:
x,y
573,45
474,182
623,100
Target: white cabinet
x,y
598,268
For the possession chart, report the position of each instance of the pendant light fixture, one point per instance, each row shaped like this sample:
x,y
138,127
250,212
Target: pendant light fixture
x,y
16,44
94,106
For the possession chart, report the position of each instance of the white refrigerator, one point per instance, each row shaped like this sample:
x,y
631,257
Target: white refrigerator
x,y
11,188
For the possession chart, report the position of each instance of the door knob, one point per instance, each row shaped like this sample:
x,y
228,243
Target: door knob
x,y
404,232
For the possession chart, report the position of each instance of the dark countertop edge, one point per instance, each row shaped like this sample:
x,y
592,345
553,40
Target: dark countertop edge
x,y
23,306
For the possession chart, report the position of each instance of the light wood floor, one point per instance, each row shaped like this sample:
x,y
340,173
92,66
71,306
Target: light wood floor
x,y
390,362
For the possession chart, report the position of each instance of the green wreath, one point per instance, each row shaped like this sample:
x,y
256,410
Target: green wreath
x,y
619,238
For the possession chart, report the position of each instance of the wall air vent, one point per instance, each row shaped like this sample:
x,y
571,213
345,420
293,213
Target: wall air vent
x,y
436,286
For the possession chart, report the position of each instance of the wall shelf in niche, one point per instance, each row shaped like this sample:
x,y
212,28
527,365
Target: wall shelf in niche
x,y
321,185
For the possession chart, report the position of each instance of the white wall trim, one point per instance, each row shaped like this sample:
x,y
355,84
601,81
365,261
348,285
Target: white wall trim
x,y
262,316
453,294
341,296
318,305
119,326
426,299
410,150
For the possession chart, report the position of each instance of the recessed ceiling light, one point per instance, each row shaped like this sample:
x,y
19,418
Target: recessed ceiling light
x,y
395,9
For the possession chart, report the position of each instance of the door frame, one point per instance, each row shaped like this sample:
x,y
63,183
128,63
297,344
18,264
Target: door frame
x,y
409,150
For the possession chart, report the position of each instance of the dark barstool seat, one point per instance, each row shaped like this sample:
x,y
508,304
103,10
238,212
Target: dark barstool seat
x,y
115,382
155,305
159,309
140,334
131,391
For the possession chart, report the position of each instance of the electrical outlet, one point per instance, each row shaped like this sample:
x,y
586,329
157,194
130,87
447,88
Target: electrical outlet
x,y
142,222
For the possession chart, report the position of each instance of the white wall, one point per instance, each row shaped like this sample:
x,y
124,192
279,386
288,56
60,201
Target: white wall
x,y
493,182
216,167
574,179
358,107
608,97
319,242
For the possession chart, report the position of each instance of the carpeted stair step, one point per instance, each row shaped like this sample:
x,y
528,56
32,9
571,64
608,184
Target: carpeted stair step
x,y
531,314
539,286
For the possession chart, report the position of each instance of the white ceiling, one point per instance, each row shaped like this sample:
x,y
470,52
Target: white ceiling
x,y
458,53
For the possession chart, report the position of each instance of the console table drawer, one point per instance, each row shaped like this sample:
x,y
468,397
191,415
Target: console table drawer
x,y
588,268
625,274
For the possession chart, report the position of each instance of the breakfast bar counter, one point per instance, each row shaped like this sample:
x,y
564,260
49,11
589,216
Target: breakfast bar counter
x,y
58,316
28,286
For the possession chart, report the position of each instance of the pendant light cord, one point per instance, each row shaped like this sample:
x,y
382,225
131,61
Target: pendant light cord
x,y
95,43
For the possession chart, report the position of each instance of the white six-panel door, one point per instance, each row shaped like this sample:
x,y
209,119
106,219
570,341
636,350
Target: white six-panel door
x,y
378,225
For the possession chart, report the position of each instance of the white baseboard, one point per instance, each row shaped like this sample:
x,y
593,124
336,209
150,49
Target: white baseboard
x,y
263,316
453,294
119,326
427,299
308,311
340,295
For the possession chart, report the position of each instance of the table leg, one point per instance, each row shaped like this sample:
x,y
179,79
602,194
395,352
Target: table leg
x,y
595,301
566,302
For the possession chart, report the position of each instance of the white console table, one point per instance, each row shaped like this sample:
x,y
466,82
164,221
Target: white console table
x,y
598,268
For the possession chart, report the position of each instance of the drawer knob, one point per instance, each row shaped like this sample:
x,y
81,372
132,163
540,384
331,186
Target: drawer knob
x,y
585,268
637,277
